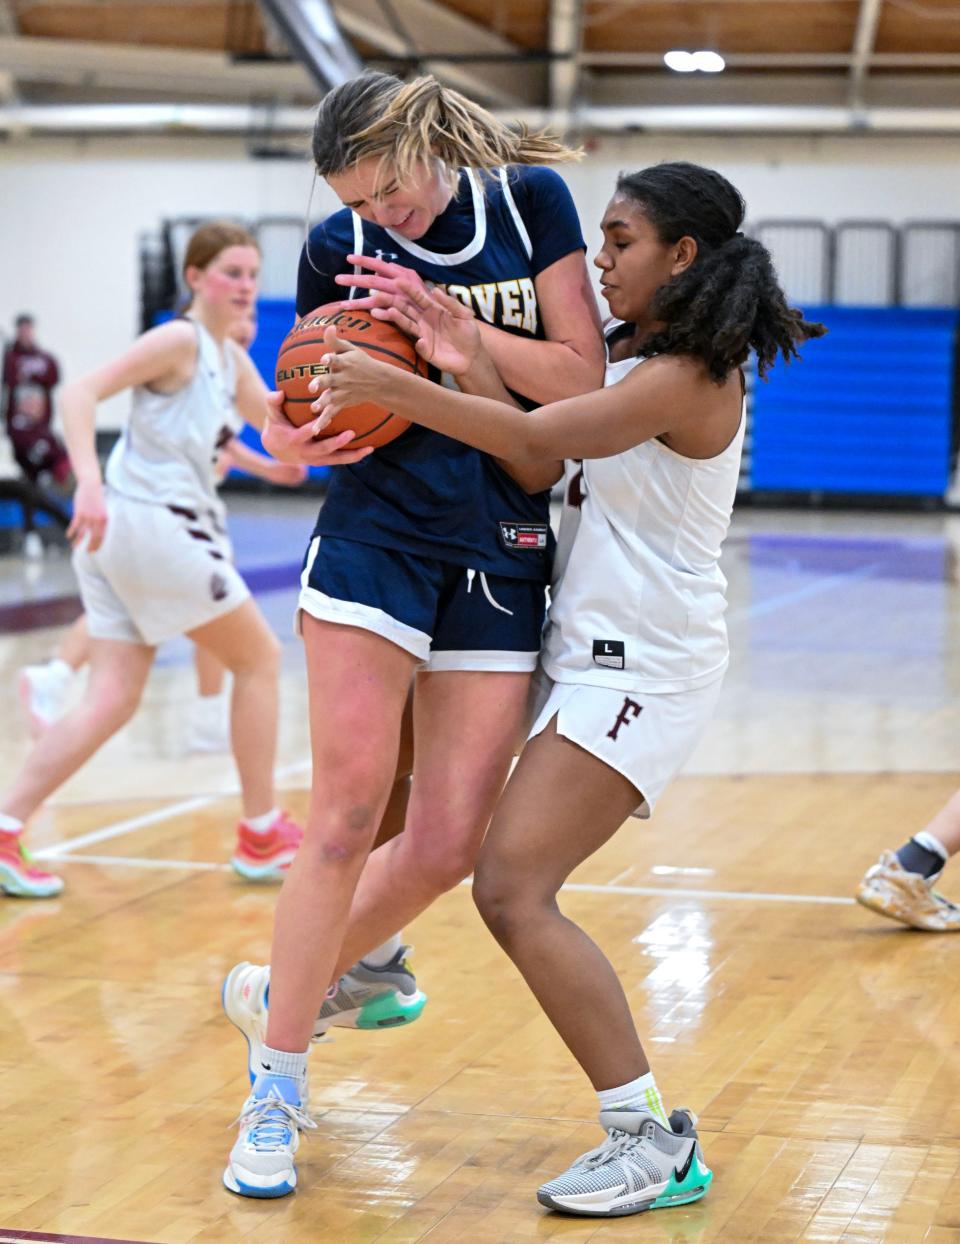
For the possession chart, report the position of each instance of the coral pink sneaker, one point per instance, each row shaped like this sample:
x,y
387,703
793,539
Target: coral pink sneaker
x,y
266,856
19,876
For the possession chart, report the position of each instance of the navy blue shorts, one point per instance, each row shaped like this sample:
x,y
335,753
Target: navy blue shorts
x,y
448,617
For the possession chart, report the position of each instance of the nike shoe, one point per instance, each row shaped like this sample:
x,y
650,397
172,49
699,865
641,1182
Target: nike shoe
x,y
19,876
261,1163
889,889
640,1166
266,856
365,997
43,691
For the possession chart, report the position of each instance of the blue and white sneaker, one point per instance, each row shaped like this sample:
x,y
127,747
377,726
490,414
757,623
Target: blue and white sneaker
x,y
640,1165
261,1163
365,997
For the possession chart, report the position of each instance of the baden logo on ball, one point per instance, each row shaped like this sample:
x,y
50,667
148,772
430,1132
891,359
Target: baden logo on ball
x,y
300,360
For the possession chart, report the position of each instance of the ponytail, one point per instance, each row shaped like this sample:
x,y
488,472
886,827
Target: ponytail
x,y
729,301
376,114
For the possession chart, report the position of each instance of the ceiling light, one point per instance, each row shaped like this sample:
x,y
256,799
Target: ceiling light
x,y
709,62
690,62
680,62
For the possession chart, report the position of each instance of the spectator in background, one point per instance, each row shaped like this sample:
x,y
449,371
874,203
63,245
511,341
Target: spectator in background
x,y
30,375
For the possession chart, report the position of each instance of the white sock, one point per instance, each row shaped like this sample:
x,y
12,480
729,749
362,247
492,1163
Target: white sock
x,y
283,1063
10,824
382,955
932,843
261,824
639,1094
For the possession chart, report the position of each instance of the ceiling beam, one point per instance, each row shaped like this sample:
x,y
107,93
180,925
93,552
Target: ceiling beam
x,y
181,71
563,40
179,120
782,60
868,18
429,30
312,34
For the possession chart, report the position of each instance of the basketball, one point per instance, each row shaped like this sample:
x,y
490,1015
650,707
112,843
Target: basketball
x,y
299,361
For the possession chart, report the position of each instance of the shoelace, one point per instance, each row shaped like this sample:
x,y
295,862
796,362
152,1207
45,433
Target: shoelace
x,y
269,1122
616,1144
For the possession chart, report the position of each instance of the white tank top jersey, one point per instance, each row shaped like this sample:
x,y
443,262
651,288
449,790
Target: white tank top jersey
x,y
167,451
638,596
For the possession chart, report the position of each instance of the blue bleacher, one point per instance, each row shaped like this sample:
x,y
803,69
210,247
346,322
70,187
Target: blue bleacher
x,y
868,409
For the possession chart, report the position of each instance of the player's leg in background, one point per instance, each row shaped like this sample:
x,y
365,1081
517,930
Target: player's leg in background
x,y
208,718
560,806
243,642
900,885
118,672
45,689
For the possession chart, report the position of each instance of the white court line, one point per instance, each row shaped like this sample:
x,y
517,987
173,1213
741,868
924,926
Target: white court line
x,y
150,818
129,861
748,896
819,588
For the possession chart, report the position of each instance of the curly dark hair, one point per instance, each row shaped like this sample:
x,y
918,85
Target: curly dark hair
x,y
729,300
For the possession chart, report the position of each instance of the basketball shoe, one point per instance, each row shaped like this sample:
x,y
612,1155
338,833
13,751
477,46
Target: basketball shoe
x,y
43,692
364,997
261,1163
888,888
19,876
640,1166
266,856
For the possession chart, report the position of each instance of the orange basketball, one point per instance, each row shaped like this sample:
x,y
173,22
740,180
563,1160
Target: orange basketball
x,y
299,361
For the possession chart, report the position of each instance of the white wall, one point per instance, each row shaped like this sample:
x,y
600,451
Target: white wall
x,y
71,212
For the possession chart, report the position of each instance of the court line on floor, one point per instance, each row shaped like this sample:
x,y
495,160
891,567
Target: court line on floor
x,y
60,849
829,583
641,891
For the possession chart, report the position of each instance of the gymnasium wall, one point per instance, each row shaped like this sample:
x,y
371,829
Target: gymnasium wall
x,y
71,212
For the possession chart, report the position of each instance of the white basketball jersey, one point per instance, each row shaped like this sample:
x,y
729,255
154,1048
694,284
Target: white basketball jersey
x,y
638,596
167,450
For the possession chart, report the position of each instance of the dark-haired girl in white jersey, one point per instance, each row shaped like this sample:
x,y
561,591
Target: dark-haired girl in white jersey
x,y
635,645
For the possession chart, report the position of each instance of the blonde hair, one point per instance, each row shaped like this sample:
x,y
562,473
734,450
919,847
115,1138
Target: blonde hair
x,y
376,114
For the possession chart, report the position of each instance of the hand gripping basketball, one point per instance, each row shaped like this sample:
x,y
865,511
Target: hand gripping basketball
x,y
301,367
351,380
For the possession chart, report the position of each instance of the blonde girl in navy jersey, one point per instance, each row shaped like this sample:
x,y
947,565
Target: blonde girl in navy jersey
x,y
428,557
151,560
635,647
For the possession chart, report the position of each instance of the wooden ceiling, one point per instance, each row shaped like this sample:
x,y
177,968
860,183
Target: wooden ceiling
x,y
520,54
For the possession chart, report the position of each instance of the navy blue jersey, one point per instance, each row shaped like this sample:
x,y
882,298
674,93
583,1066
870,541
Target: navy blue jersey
x,y
425,493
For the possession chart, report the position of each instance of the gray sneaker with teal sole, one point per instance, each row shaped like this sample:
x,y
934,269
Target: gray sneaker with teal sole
x,y
366,997
641,1165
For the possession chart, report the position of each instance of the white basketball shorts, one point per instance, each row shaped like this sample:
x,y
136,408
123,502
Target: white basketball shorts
x,y
161,571
646,737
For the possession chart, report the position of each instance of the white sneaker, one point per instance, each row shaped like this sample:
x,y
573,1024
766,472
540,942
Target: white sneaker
x,y
33,546
261,1163
209,724
890,890
43,691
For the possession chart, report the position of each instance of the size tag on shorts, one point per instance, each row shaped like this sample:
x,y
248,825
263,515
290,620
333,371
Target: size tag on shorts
x,y
609,653
524,536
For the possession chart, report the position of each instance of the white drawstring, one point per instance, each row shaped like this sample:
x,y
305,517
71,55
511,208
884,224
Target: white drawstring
x,y
471,575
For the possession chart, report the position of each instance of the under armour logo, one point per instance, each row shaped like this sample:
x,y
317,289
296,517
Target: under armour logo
x,y
631,709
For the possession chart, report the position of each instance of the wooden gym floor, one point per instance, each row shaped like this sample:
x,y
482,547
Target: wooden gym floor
x,y
816,1041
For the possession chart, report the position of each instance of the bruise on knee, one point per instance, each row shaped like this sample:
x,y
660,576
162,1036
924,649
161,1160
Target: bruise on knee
x,y
353,835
